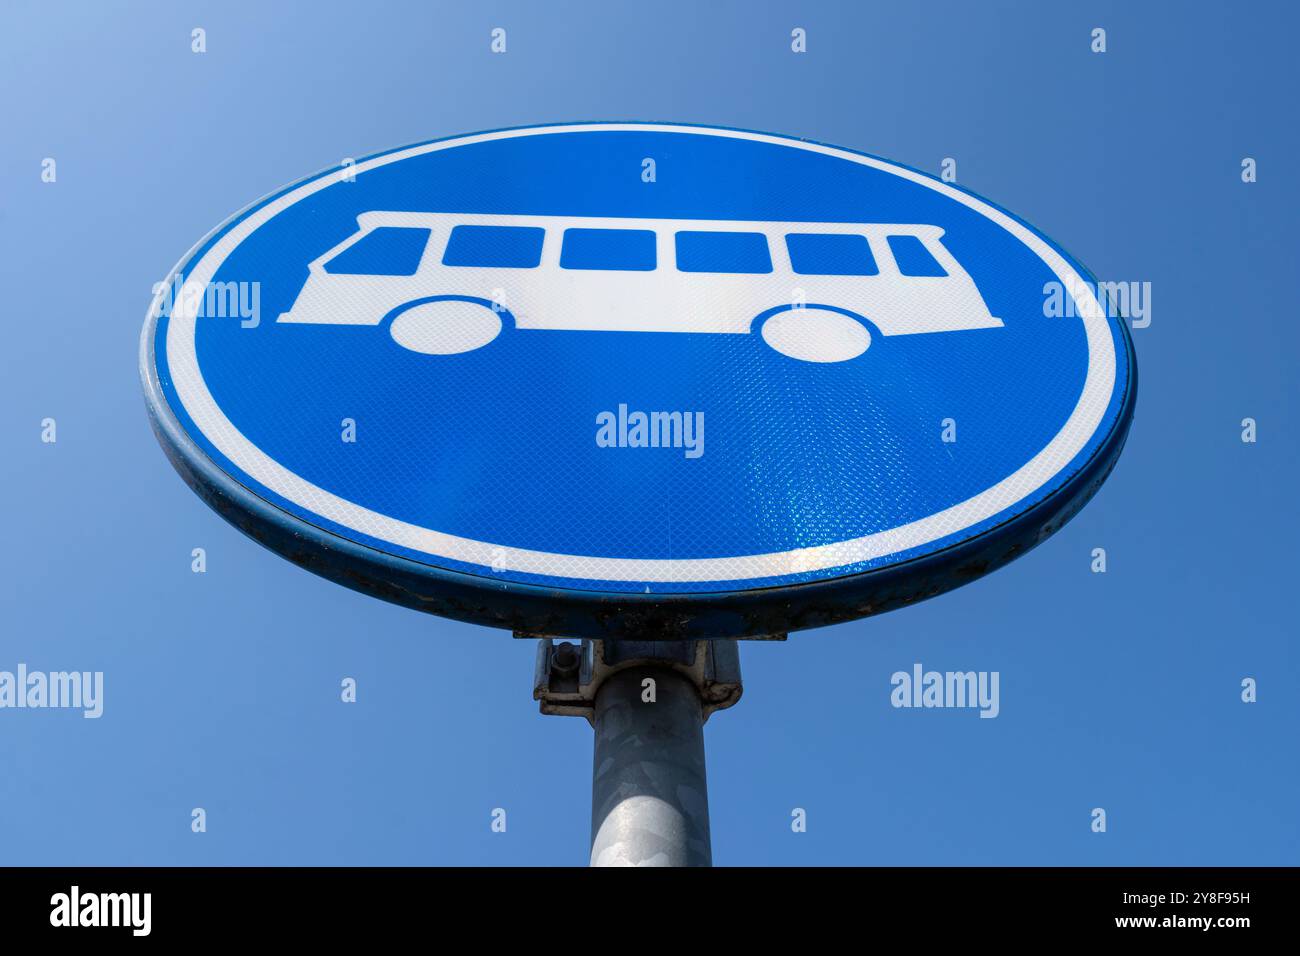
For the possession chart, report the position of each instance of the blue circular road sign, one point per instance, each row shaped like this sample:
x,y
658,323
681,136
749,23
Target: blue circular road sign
x,y
637,380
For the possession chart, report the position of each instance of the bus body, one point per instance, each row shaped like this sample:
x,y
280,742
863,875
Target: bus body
x,y
642,275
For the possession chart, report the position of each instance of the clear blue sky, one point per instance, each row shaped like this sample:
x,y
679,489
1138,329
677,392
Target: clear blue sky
x,y
1119,690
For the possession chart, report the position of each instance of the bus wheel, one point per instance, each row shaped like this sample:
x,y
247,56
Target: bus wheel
x,y
816,335
444,326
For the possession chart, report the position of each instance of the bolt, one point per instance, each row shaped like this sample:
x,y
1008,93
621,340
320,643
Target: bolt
x,y
564,659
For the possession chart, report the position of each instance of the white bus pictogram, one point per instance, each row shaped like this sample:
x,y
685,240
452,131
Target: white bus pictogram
x,y
448,283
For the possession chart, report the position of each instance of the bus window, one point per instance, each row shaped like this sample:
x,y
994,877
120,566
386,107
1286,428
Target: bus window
x,y
913,258
830,254
385,251
502,247
622,250
723,252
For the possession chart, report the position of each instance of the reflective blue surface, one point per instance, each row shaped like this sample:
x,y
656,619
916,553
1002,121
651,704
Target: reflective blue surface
x,y
498,444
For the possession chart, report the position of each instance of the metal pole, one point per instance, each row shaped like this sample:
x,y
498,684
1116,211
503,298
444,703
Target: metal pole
x,y
649,796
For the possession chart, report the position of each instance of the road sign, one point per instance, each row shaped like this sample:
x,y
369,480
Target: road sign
x,y
644,380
